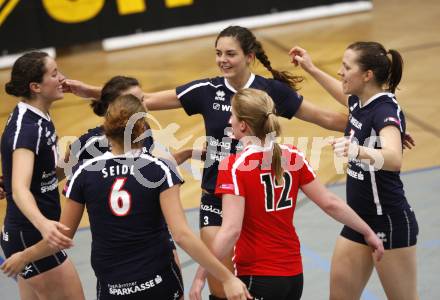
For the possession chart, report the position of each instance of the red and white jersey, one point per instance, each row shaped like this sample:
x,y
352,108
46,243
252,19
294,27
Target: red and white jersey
x,y
268,243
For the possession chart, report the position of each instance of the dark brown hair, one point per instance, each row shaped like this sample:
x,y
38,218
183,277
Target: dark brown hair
x,y
111,90
28,68
373,56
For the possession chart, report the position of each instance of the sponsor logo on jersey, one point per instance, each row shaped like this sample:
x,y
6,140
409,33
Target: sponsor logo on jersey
x,y
355,175
220,95
134,287
226,107
355,122
222,107
209,208
391,119
226,186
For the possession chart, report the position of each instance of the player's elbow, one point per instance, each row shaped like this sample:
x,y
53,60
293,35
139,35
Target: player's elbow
x,y
331,205
181,236
17,192
232,232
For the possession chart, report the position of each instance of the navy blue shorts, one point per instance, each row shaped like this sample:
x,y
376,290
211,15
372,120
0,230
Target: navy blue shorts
x,y
166,284
396,230
210,210
13,241
274,287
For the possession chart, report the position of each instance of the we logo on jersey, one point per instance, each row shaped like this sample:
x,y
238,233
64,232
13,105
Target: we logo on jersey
x,y
222,107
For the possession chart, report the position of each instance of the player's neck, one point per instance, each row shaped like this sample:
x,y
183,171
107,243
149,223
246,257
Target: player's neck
x,y
238,82
117,149
369,92
40,104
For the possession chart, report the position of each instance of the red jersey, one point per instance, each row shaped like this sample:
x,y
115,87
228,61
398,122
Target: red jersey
x,y
268,243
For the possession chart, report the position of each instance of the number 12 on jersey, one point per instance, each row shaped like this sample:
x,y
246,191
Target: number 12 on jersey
x,y
119,200
284,200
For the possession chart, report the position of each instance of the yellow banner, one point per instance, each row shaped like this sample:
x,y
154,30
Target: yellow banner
x,y
67,11
7,9
127,7
177,3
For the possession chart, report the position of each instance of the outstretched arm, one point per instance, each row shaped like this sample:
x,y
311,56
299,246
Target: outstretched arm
x,y
185,238
340,211
299,56
22,171
71,216
225,239
161,100
327,119
152,101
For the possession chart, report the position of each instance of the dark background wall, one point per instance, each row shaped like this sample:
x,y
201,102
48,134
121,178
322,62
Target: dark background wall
x,y
30,24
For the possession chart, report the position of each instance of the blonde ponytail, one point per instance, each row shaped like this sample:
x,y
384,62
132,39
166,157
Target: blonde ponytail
x,y
257,109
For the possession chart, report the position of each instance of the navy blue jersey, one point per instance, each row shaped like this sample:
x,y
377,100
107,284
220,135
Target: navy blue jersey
x,y
94,143
212,99
369,191
121,193
29,128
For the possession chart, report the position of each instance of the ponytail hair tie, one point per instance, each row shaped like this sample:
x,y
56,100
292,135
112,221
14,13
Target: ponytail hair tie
x,y
268,114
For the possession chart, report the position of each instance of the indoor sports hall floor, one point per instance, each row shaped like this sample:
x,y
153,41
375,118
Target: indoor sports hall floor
x,y
410,26
317,233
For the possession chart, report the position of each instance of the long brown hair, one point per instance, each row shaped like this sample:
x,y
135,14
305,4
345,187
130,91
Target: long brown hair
x,y
249,44
257,109
118,114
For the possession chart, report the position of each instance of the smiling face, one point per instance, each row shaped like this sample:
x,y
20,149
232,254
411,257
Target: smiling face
x,y
353,77
230,58
51,87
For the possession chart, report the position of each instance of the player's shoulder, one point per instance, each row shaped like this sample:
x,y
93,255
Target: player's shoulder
x,y
93,132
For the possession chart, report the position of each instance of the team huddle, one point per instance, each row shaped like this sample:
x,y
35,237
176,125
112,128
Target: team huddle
x,y
248,247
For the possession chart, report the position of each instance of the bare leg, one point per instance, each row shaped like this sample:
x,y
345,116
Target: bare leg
x,y
398,273
26,291
352,264
61,282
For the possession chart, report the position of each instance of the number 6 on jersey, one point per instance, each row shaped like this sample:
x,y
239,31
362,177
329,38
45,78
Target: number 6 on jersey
x,y
119,199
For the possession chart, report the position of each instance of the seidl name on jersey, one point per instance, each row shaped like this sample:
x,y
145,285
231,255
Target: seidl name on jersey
x,y
117,170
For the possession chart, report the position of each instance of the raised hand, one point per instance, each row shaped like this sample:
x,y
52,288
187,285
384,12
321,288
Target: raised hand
x,y
81,89
299,56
